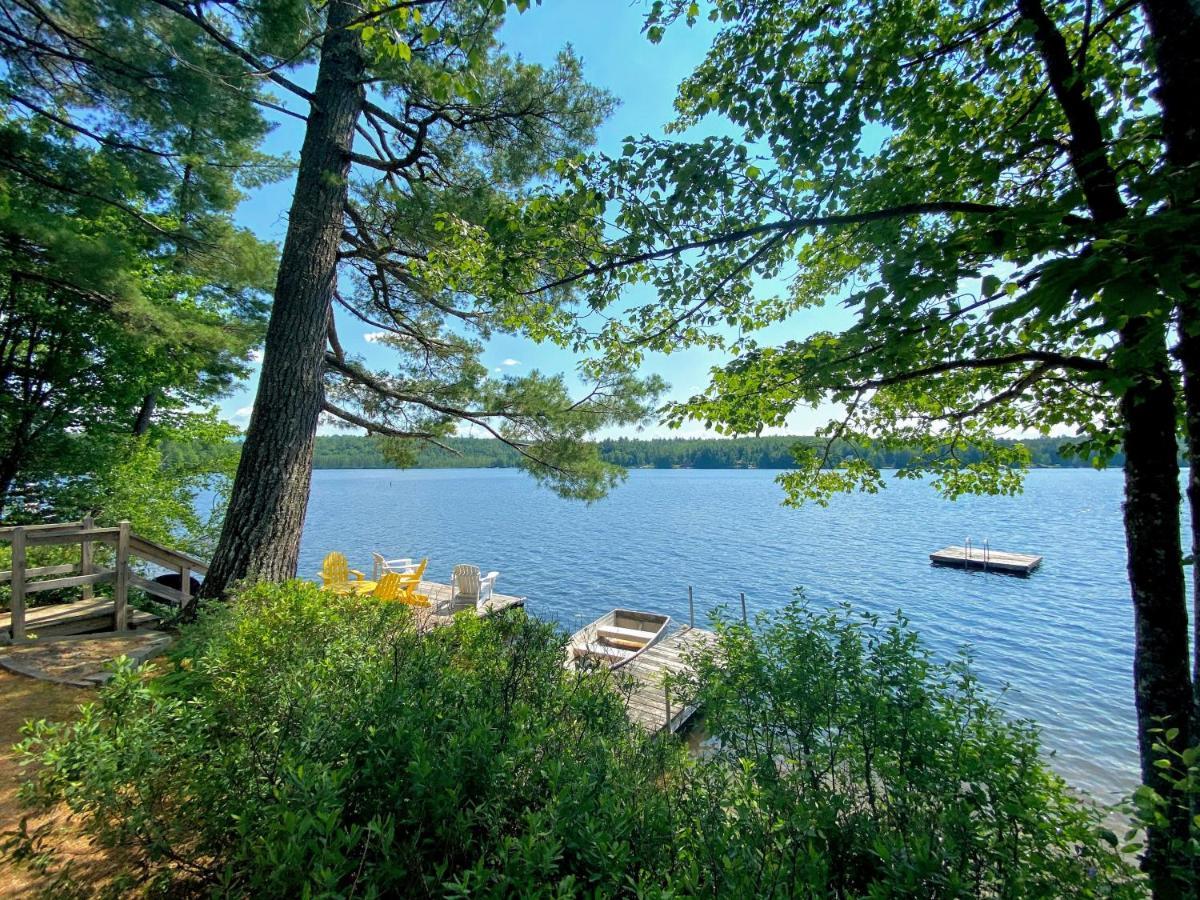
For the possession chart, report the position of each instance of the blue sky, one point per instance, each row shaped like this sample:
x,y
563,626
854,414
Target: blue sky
x,y
606,34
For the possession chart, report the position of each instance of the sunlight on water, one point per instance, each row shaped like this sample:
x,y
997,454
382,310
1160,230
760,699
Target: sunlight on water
x,y
1061,640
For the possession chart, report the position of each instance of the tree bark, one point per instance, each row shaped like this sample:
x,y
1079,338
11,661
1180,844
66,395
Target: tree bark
x,y
145,415
9,466
1162,687
260,538
1175,34
1175,37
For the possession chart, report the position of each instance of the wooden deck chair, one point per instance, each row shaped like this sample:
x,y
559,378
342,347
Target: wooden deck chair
x,y
389,587
468,589
383,566
335,570
407,584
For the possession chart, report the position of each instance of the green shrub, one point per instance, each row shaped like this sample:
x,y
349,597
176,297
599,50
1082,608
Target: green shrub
x,y
1180,765
858,764
311,746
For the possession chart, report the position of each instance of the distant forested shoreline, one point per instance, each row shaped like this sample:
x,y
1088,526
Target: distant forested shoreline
x,y
363,452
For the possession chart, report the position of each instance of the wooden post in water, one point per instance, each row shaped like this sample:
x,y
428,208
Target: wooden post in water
x,y
121,589
745,621
85,555
691,608
18,584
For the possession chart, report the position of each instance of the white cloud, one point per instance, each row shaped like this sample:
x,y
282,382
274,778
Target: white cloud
x,y
256,356
374,337
244,412
511,362
497,369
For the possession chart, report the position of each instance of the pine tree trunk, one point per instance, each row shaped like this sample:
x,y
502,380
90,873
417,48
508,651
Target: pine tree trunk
x,y
145,415
261,535
9,466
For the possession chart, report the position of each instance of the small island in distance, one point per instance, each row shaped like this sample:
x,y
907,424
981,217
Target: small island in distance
x,y
775,452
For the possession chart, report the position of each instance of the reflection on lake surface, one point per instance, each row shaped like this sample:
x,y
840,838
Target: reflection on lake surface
x,y
1061,640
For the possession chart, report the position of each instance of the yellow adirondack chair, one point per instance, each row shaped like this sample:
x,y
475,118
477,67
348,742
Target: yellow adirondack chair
x,y
388,587
403,587
335,571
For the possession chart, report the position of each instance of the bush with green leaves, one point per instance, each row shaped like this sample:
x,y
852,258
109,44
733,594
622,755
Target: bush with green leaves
x,y
1180,769
308,745
853,761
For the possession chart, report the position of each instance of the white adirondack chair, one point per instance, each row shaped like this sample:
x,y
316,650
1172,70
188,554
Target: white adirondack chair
x,y
404,566
467,587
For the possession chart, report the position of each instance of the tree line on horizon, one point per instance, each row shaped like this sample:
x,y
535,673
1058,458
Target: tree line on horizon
x,y
774,452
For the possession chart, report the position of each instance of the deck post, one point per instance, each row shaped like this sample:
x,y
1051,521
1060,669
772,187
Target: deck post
x,y
18,584
667,695
85,555
121,589
185,585
691,608
745,620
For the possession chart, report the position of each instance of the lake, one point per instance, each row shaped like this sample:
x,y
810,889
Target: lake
x,y
1060,640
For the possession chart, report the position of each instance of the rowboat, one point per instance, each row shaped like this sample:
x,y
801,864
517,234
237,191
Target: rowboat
x,y
616,638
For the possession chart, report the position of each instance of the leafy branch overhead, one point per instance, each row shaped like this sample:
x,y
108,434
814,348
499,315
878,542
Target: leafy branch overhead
x,y
442,175
926,166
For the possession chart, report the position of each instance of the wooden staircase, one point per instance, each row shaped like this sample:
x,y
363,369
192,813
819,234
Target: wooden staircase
x,y
90,613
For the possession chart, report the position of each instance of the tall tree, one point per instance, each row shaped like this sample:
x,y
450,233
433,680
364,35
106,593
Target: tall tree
x,y
128,295
421,139
446,131
978,183
1175,32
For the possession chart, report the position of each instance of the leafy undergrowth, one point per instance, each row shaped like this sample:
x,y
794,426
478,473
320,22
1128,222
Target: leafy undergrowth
x,y
309,747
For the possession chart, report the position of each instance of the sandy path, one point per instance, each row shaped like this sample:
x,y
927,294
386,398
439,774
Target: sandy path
x,y
88,867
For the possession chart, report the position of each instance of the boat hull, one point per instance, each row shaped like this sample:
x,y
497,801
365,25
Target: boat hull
x,y
616,639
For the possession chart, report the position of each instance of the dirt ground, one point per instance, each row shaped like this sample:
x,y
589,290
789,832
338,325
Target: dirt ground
x,y
88,869
82,661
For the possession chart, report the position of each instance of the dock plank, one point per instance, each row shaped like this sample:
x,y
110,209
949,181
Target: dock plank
x,y
646,702
441,598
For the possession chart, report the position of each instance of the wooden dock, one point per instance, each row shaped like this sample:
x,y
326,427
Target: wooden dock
x,y
441,599
986,560
648,704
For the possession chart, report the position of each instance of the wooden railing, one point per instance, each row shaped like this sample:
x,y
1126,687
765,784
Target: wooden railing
x,y
86,574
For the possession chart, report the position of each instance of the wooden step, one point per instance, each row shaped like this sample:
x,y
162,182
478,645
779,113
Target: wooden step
x,y
82,617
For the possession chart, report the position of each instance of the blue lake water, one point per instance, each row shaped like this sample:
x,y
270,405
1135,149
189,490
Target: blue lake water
x,y
1060,640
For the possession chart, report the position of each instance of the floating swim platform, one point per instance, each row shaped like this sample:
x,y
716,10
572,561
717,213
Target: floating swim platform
x,y
986,560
